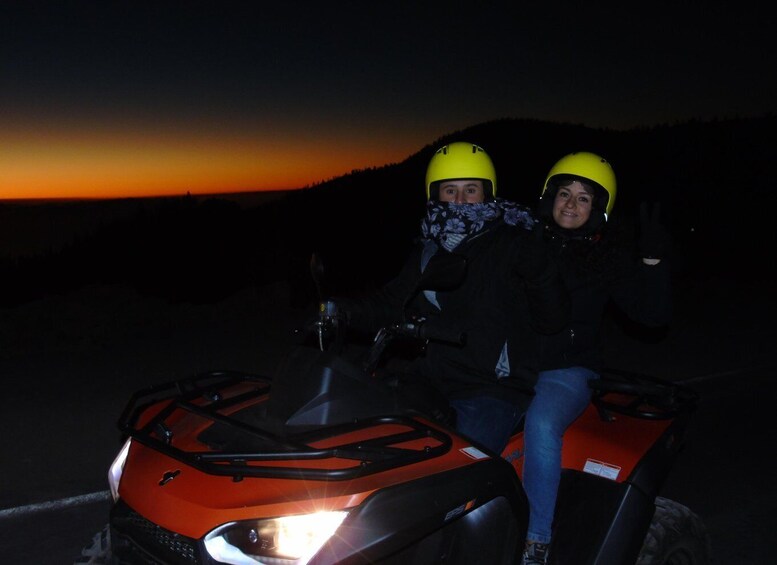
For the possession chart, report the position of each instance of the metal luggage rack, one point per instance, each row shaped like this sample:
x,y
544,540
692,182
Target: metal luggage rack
x,y
651,398
369,456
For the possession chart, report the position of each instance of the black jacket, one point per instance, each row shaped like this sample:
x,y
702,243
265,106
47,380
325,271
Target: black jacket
x,y
497,303
595,273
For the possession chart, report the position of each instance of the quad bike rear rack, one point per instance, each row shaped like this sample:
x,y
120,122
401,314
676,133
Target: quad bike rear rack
x,y
640,396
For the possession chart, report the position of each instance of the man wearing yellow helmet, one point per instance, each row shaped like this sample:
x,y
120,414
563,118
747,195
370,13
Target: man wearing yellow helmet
x,y
458,162
511,291
575,206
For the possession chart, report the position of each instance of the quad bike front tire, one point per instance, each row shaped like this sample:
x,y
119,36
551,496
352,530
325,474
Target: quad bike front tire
x,y
98,552
677,536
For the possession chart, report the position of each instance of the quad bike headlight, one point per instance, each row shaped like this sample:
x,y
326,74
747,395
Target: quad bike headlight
x,y
290,540
117,468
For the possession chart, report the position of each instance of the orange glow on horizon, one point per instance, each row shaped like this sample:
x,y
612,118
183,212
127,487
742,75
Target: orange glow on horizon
x,y
76,164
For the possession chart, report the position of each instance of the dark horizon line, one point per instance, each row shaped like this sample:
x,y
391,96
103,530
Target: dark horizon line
x,y
69,199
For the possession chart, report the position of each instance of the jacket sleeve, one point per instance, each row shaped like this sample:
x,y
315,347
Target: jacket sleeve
x,y
548,300
644,292
369,311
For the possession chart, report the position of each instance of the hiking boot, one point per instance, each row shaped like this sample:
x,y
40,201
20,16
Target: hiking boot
x,y
535,553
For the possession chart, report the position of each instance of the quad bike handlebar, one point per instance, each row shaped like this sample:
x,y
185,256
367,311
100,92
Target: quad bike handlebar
x,y
418,328
442,272
616,391
430,330
330,328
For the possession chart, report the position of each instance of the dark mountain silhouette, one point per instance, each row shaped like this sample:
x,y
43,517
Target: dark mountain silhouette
x,y
711,179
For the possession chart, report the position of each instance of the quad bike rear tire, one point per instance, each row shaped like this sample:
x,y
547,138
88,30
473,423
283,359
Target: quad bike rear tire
x,y
98,552
677,536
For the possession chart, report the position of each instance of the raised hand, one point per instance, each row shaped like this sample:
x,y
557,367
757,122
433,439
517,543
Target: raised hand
x,y
653,236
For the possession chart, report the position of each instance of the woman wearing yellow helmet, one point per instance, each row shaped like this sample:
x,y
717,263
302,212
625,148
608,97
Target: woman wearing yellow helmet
x,y
511,292
575,205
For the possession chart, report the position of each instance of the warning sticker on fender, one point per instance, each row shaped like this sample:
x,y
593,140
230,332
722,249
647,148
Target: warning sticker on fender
x,y
601,469
474,452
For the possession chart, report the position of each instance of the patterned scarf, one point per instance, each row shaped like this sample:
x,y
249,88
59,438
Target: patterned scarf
x,y
448,223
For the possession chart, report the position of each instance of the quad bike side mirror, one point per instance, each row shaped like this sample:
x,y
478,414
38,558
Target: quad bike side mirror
x,y
328,320
317,272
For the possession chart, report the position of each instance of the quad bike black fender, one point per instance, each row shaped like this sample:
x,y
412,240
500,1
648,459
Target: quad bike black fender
x,y
603,521
473,514
599,521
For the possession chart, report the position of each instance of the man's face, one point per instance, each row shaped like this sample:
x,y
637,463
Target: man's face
x,y
466,191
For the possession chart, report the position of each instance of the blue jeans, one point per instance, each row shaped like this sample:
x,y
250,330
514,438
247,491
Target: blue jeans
x,y
487,420
560,397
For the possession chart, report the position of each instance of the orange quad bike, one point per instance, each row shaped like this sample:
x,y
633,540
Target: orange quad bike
x,y
324,462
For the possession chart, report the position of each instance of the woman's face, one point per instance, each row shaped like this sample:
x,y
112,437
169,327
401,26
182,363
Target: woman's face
x,y
466,191
572,206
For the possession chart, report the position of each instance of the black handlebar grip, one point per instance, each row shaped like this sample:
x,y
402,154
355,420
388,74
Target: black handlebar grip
x,y
438,332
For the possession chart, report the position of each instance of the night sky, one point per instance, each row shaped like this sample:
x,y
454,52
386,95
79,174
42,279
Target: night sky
x,y
127,98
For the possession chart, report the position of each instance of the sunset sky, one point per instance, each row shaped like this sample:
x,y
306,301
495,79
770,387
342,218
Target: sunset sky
x,y
107,99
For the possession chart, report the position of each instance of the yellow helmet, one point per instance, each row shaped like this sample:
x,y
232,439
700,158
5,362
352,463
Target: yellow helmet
x,y
461,160
588,166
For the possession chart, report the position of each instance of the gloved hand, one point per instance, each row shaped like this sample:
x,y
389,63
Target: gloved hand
x,y
534,256
653,236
